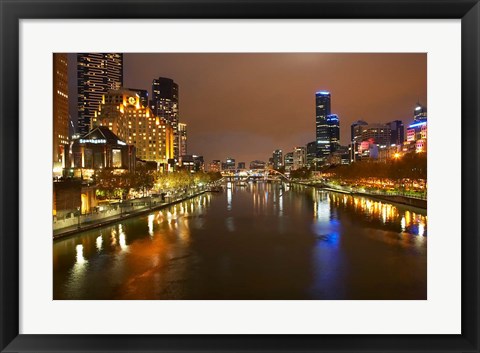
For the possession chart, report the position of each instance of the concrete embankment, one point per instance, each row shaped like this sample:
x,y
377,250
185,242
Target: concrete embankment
x,y
69,231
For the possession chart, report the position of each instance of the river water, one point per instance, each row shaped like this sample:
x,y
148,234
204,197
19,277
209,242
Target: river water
x,y
260,241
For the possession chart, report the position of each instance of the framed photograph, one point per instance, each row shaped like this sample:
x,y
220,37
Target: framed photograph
x,y
228,176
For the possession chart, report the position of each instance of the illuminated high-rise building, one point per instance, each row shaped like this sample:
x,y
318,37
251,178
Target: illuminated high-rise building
x,y
164,104
288,161
420,113
143,94
299,157
277,159
60,109
122,112
322,110
356,131
182,139
333,123
96,74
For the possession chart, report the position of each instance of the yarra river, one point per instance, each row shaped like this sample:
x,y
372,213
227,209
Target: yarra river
x,y
259,241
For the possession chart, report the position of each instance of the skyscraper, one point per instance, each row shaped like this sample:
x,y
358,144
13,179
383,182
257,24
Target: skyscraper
x,y
420,113
299,157
165,104
96,74
322,109
333,123
182,139
288,161
396,132
277,159
60,107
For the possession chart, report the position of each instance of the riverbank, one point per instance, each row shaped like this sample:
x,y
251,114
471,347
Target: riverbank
x,y
73,230
399,199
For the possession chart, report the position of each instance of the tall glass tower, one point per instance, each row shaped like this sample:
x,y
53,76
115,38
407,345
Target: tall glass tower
x,y
165,104
322,108
333,123
96,74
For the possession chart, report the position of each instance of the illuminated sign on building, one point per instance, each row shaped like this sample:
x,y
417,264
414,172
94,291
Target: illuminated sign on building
x,y
93,141
423,132
410,135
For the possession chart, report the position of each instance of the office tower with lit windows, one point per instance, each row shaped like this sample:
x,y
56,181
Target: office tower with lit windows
x,y
96,74
356,131
277,159
397,132
322,110
288,161
333,123
182,139
164,104
215,166
122,112
299,157
378,133
60,109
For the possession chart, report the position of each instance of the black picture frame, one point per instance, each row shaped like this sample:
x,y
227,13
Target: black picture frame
x,y
13,11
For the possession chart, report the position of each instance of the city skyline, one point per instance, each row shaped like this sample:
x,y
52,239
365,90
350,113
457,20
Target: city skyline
x,y
227,100
231,169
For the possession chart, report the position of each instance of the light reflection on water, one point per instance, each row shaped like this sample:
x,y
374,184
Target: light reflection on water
x,y
263,241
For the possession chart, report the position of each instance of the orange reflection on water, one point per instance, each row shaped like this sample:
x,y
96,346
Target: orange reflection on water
x,y
382,211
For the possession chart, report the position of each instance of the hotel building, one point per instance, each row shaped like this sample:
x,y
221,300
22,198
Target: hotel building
x,y
122,112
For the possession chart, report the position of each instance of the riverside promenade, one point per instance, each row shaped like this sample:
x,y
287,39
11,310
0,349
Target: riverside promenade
x,y
129,209
405,199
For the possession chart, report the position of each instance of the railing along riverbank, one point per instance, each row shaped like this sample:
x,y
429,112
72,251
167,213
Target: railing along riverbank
x,y
117,212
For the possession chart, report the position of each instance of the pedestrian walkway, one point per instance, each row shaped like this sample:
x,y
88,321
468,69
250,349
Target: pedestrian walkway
x,y
86,225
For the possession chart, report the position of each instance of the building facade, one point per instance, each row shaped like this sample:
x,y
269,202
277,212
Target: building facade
x,y
97,150
121,111
322,110
143,94
420,113
96,74
397,133
182,138
165,104
256,164
333,123
215,166
288,161
299,157
379,133
277,159
229,164
356,131
60,110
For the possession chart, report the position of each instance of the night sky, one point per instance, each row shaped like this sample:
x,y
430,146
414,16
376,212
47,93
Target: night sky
x,y
246,105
